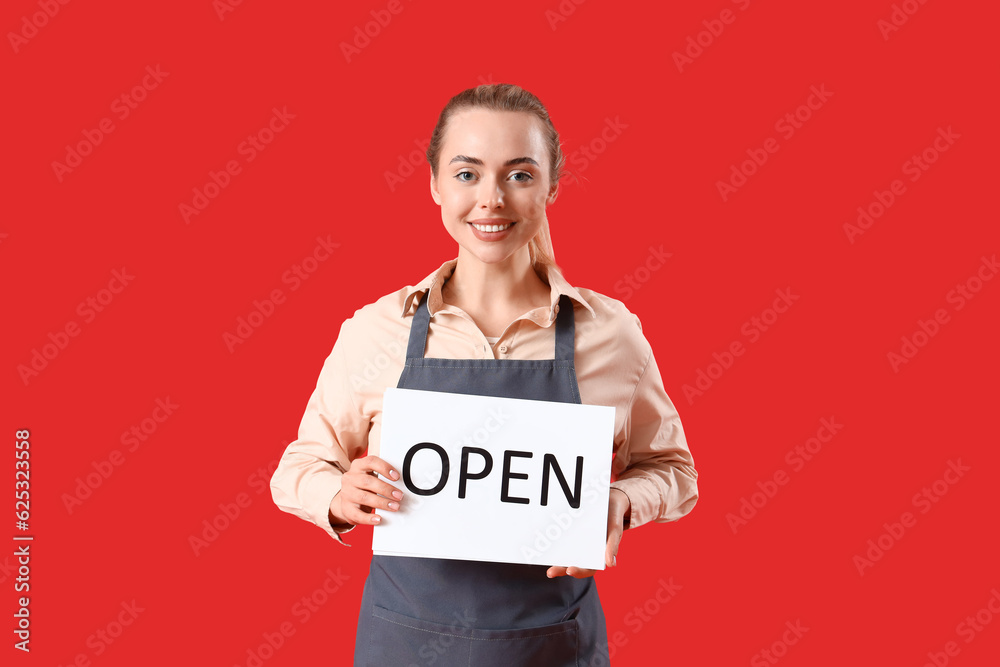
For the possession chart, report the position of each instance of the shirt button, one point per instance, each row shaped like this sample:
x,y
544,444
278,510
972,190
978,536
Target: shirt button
x,y
503,349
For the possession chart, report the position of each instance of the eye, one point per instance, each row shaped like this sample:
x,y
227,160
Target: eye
x,y
527,176
460,174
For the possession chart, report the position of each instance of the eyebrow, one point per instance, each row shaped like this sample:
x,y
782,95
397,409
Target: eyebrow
x,y
508,163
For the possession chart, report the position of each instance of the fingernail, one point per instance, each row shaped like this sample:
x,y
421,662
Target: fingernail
x,y
376,518
393,474
393,505
614,561
398,495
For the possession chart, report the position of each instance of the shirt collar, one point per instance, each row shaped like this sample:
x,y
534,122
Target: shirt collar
x,y
432,285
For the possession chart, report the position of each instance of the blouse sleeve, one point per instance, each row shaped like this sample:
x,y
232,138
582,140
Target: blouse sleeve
x,y
653,465
332,433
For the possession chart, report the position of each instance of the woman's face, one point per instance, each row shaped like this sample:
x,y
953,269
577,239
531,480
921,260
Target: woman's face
x,y
493,182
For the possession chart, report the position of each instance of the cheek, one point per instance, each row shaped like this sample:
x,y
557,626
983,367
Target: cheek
x,y
535,206
457,199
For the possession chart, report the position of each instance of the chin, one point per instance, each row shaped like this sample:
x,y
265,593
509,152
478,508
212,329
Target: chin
x,y
491,255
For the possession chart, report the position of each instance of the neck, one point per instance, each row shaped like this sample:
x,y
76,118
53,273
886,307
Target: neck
x,y
511,283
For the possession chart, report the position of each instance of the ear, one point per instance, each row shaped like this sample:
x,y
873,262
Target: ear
x,y
435,194
553,193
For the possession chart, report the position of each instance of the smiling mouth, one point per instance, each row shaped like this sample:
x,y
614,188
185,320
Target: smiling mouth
x,y
491,228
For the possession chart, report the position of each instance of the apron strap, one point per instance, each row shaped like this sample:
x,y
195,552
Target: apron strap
x,y
565,330
418,330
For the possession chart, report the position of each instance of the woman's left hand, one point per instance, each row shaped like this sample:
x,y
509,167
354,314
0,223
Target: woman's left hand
x,y
618,507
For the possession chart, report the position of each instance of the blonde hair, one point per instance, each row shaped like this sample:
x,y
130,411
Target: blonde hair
x,y
507,97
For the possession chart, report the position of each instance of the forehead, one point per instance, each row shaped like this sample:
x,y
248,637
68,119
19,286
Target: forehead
x,y
494,135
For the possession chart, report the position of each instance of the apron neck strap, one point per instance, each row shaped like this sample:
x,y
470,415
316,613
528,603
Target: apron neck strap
x,y
418,330
565,330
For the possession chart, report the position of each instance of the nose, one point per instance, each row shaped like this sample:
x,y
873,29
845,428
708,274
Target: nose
x,y
491,194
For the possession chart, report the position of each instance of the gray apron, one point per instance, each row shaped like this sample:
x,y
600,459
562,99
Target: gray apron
x,y
430,611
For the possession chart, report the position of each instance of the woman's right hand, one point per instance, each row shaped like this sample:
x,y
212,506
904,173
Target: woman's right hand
x,y
361,492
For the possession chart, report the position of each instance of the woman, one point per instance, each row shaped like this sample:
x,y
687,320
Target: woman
x,y
501,306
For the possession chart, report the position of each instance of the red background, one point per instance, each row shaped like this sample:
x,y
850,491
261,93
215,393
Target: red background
x,y
654,184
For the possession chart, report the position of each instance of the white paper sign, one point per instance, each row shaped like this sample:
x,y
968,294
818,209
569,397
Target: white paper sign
x,y
496,479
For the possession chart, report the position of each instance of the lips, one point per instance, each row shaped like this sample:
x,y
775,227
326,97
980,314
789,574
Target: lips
x,y
491,225
491,229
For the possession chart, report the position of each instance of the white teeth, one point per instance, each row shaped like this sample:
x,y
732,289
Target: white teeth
x,y
492,228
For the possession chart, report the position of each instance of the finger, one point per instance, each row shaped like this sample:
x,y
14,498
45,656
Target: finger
x,y
375,464
367,499
615,530
580,572
611,551
358,516
577,572
374,486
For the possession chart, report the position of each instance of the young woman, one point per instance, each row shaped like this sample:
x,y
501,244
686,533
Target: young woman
x,y
502,308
